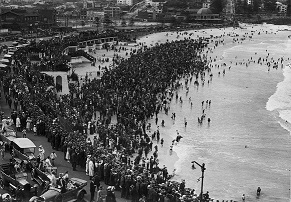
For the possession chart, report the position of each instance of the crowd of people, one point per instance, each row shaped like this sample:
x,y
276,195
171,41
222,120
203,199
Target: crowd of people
x,y
136,90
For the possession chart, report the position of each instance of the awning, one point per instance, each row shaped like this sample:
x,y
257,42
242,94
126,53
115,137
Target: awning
x,y
24,143
10,53
2,65
7,56
4,61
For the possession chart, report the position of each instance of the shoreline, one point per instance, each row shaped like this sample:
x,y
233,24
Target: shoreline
x,y
171,135
266,98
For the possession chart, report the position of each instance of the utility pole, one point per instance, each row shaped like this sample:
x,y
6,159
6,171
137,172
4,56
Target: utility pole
x,y
202,178
0,14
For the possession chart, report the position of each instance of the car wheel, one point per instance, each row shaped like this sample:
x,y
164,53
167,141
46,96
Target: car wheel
x,y
81,196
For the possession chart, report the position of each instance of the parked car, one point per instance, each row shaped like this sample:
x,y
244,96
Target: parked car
x,y
74,191
23,148
16,181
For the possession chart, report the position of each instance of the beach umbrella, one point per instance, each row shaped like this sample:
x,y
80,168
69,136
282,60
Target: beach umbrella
x,y
4,61
7,56
2,65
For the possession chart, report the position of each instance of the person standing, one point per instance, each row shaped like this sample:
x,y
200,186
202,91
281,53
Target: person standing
x,y
259,191
41,153
34,130
100,194
28,124
53,156
243,197
68,154
9,102
110,194
74,160
92,190
53,179
2,150
24,133
18,123
91,169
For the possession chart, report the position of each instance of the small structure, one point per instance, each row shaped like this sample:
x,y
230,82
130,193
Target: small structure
x,y
206,15
60,80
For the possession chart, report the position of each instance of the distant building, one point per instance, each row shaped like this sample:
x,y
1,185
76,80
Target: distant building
x,y
112,12
93,14
205,15
230,7
17,19
149,14
125,2
289,8
282,8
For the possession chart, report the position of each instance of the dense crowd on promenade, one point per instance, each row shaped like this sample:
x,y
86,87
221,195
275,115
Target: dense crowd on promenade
x,y
136,90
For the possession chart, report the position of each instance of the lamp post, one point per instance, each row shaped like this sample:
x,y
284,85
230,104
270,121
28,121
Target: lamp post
x,y
202,177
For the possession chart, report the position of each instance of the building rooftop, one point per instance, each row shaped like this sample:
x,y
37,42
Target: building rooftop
x,y
203,11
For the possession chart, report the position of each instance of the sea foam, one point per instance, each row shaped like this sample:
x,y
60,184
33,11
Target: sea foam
x,y
281,99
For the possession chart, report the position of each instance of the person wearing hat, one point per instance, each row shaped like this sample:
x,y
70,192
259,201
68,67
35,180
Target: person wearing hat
x,y
34,130
110,194
18,124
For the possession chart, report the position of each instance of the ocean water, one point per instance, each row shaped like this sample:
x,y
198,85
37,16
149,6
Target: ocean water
x,y
247,143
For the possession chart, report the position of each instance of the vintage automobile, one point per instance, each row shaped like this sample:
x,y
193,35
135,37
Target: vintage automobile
x,y
23,148
74,192
40,177
12,180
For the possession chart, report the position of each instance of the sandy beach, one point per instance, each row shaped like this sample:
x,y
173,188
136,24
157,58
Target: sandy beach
x,y
244,145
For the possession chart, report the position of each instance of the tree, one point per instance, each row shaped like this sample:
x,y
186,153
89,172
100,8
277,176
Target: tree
x,y
270,5
256,6
239,7
217,6
245,6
